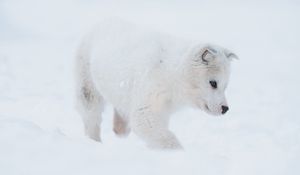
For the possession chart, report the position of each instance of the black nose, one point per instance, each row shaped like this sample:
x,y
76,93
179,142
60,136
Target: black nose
x,y
224,109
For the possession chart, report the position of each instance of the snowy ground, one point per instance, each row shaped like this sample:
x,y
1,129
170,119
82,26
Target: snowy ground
x,y
41,132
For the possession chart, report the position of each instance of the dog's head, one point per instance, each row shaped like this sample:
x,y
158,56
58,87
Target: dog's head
x,y
208,76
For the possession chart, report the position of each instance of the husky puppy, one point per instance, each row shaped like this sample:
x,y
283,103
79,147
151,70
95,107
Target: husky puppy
x,y
146,76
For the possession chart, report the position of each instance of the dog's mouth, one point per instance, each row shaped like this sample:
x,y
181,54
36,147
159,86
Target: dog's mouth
x,y
207,110
206,107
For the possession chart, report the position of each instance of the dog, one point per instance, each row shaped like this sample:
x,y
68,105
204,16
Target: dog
x,y
146,76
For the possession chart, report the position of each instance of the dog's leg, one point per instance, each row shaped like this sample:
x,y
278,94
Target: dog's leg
x,y
90,105
120,123
150,122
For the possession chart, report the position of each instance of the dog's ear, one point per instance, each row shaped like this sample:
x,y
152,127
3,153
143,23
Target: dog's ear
x,y
208,53
230,55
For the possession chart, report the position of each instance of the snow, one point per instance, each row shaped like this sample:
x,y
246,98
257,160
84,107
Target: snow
x,y
41,132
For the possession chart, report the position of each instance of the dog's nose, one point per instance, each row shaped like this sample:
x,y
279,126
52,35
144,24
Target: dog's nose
x,y
224,109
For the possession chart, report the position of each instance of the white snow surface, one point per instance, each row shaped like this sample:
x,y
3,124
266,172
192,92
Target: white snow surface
x,y
42,133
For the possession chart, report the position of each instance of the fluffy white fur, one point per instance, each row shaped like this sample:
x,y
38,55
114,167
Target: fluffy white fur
x,y
146,76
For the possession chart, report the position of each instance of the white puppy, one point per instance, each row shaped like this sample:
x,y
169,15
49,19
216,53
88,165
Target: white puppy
x,y
146,76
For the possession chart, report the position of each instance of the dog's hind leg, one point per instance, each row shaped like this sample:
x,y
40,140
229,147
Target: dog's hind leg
x,y
120,125
90,103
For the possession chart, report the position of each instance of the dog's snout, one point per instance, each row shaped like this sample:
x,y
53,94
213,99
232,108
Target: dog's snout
x,y
224,109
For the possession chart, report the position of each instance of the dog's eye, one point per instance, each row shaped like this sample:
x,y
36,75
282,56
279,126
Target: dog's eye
x,y
213,84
